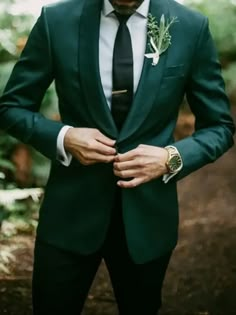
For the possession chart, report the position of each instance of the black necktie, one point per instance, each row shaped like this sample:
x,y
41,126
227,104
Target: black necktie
x,y
122,94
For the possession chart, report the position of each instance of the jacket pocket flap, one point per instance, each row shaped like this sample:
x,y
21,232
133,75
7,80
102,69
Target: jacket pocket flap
x,y
174,71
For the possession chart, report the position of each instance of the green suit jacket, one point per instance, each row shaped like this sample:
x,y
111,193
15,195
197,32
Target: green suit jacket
x,y
63,46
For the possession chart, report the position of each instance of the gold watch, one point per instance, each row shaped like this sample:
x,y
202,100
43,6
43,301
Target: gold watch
x,y
174,162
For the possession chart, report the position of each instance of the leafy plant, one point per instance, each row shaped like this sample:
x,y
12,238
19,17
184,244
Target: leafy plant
x,y
13,30
222,17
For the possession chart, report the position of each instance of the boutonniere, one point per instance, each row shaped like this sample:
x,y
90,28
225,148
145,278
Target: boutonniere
x,y
159,37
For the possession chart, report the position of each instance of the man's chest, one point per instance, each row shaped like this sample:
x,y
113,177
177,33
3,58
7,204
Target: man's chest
x,y
137,26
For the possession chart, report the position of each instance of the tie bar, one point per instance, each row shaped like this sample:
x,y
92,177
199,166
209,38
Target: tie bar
x,y
119,92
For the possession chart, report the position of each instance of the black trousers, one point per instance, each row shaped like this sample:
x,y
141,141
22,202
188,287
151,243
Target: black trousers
x,y
62,279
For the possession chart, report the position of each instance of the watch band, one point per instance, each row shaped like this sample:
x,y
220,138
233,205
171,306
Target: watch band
x,y
173,153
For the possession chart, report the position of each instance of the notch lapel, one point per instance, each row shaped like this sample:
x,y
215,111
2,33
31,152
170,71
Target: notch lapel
x,y
149,83
89,68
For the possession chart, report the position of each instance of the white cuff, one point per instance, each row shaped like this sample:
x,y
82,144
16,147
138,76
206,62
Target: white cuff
x,y
168,177
62,156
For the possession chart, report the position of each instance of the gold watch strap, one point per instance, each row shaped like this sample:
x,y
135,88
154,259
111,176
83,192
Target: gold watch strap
x,y
172,151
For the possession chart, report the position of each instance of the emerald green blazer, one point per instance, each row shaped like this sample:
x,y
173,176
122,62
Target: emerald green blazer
x,y
63,46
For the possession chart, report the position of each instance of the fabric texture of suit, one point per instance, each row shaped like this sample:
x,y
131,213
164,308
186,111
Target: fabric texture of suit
x,y
63,45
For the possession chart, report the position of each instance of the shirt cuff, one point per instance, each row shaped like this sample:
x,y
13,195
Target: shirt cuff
x,y
62,156
167,177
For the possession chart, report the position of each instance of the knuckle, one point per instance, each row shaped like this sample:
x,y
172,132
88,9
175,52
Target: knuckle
x,y
139,151
117,167
96,132
84,155
108,151
141,146
108,159
90,145
140,163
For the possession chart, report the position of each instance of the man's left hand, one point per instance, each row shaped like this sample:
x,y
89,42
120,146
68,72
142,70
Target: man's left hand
x,y
140,165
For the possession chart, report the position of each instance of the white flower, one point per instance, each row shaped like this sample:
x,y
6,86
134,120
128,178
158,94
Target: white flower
x,y
156,55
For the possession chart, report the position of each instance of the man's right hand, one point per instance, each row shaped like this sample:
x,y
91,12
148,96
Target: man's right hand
x,y
89,146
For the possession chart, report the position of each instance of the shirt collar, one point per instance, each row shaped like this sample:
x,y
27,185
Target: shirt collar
x,y
143,9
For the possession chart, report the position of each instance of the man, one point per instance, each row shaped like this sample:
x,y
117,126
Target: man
x,y
111,192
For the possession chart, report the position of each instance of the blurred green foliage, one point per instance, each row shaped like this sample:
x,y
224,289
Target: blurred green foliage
x,y
222,22
20,216
222,19
14,29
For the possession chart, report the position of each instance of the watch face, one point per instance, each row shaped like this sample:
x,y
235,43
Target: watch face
x,y
174,163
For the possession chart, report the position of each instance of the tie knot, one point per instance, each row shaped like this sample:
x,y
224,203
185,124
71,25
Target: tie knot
x,y
122,18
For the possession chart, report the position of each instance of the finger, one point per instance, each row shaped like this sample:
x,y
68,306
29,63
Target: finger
x,y
95,158
120,166
105,140
91,162
103,149
131,183
127,173
128,156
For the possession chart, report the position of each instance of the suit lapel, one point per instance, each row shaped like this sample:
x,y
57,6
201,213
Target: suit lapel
x,y
149,83
89,68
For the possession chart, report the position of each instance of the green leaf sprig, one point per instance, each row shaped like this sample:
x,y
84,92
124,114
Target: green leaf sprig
x,y
160,33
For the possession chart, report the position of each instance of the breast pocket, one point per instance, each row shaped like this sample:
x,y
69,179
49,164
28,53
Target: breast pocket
x,y
173,85
173,72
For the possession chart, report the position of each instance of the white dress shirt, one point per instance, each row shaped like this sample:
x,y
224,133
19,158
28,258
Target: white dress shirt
x,y
137,25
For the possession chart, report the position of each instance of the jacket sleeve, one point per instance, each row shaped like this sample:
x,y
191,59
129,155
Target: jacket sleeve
x,y
21,100
206,96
